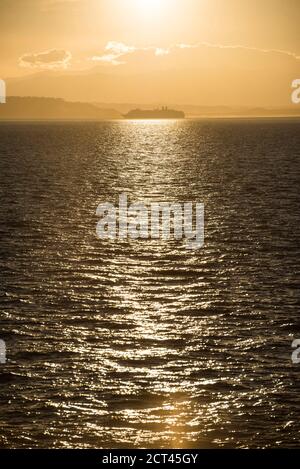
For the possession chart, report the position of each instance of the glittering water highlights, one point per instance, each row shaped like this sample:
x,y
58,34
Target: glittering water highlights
x,y
143,343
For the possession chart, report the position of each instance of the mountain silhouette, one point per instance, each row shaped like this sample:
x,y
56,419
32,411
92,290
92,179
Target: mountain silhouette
x,y
52,108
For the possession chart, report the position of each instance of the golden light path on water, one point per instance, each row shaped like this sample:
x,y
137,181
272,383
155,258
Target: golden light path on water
x,y
143,343
149,302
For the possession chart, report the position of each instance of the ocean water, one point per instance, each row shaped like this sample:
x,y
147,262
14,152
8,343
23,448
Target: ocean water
x,y
142,343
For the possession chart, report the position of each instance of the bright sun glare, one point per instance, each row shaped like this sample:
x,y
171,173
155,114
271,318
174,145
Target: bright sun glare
x,y
149,6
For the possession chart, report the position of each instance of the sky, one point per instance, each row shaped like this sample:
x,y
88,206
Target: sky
x,y
225,38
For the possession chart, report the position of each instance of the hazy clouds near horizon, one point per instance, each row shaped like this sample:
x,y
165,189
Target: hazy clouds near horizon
x,y
225,52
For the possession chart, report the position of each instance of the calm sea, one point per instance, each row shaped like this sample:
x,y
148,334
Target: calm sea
x,y
144,343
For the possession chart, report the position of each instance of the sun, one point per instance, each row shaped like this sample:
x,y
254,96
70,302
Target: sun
x,y
150,3
149,6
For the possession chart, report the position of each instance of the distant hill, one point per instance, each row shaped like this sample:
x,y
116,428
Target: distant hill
x,y
32,108
35,108
239,84
209,111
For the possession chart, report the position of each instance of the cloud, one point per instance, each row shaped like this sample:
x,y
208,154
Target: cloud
x,y
239,46
119,48
110,59
50,59
160,51
115,52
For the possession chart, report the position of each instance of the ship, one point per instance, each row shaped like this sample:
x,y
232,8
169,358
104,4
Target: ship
x,y
163,113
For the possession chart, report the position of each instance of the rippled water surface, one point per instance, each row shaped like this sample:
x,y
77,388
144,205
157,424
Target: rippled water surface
x,y
144,343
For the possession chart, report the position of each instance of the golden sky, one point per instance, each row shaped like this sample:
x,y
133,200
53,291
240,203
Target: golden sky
x,y
122,37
